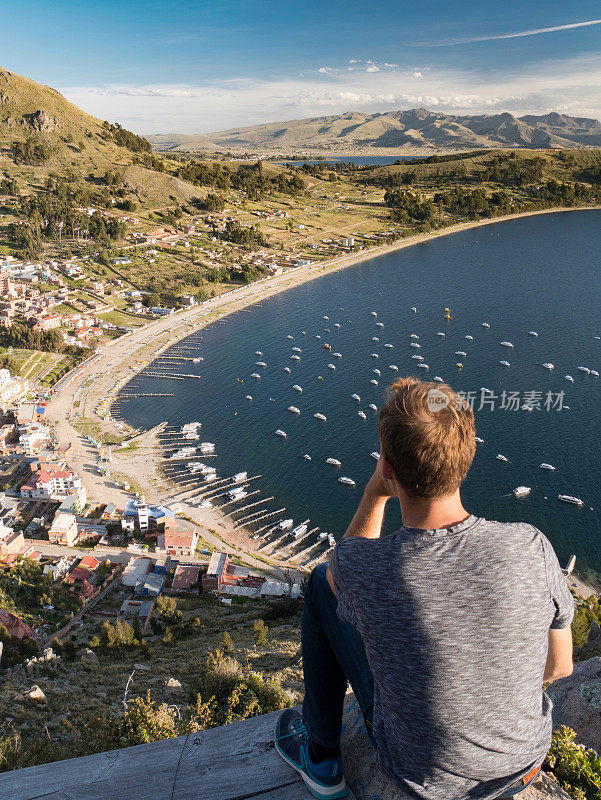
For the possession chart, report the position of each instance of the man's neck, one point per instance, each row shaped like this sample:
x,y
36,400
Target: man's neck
x,y
427,514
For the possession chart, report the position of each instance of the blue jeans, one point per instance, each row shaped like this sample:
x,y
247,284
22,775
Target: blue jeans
x,y
334,655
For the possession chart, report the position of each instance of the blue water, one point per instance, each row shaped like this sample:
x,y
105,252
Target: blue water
x,y
360,161
541,273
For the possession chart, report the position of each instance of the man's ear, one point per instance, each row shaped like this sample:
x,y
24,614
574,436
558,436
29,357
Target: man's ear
x,y
387,472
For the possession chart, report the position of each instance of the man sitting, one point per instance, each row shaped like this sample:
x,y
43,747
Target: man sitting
x,y
446,630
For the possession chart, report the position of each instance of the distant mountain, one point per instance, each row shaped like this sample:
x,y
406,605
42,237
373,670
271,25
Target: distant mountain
x,y
413,131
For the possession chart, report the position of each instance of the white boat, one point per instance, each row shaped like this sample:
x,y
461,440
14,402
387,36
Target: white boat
x,y
355,397
248,397
417,357
375,455
414,336
297,388
375,355
260,364
438,379
375,339
548,365
210,476
380,324
423,366
479,440
297,350
307,457
595,373
460,353
295,358
506,344
336,324
469,338
304,333
376,371
197,360
288,370
416,345
285,524
236,493
280,433
362,414
331,540
532,333
320,416
240,476
374,381
414,309
440,333
323,535
331,366
337,355
325,317
347,481
184,452
373,406
374,313
389,345
289,337
569,378
568,498
502,457
485,325
300,529
521,491
584,369
258,353
544,465
505,363
333,461
294,409
394,367
255,375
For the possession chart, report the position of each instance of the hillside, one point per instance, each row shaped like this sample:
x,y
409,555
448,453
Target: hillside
x,y
42,133
417,131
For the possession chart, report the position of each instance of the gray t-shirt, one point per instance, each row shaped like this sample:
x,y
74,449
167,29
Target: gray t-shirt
x,y
455,625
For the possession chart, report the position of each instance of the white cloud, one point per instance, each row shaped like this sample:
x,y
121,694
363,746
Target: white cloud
x,y
372,68
517,35
572,85
417,74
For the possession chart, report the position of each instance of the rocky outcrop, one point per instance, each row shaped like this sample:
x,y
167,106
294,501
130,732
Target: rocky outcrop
x,y
41,121
35,694
577,702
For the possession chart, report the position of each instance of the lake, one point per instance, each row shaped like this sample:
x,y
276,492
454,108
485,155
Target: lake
x,y
539,273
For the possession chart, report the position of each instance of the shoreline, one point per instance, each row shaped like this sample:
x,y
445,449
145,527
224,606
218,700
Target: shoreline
x,y
127,350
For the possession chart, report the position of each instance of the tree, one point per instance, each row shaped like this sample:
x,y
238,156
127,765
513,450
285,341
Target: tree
x,y
260,632
227,643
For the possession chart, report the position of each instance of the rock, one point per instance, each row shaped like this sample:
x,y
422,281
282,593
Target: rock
x,y
35,694
40,121
89,658
577,702
144,667
173,685
367,782
48,654
594,632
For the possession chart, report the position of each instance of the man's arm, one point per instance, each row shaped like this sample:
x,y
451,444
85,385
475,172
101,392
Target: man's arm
x,y
368,518
559,654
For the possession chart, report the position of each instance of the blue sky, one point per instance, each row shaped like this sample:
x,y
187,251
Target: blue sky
x,y
194,67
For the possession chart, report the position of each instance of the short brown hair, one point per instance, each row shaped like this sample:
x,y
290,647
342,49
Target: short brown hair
x,y
430,445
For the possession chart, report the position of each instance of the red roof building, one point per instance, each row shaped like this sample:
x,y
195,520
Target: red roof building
x,y
89,562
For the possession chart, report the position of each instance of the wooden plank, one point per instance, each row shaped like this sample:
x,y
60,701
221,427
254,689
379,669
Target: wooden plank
x,y
234,762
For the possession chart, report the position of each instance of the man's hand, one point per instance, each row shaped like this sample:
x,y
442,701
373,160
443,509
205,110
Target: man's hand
x,y
368,518
378,485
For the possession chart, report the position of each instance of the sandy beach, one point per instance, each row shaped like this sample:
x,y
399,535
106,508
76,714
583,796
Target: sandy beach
x,y
83,390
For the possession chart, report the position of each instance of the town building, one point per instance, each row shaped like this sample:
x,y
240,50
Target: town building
x,y
57,485
63,530
11,542
177,542
186,577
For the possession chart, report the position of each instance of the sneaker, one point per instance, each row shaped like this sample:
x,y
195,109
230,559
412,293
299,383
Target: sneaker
x,y
324,780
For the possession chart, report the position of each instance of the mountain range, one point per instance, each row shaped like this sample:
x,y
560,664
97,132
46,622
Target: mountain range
x,y
415,131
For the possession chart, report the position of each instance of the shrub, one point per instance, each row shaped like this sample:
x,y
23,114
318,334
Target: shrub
x,y
260,632
575,767
227,643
